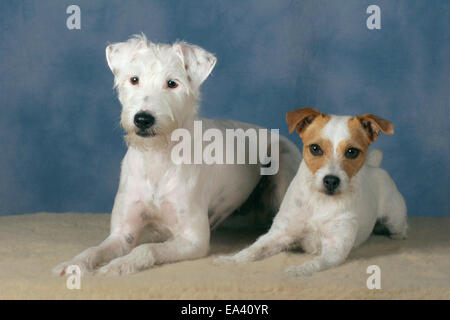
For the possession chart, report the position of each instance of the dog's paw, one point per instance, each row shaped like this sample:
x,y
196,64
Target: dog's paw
x,y
64,268
306,269
60,269
117,267
126,265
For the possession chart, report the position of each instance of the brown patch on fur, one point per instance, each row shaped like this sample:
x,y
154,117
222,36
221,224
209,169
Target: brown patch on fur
x,y
308,123
352,166
364,130
312,131
358,134
300,119
314,163
373,124
310,134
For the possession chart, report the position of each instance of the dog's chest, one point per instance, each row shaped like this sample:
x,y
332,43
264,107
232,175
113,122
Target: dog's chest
x,y
152,178
318,211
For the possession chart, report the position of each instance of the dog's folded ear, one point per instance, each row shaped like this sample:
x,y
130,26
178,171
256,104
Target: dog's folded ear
x,y
117,53
114,53
373,124
198,62
300,119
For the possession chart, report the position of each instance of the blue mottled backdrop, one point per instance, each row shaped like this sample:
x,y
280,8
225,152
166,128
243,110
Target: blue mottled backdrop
x,y
60,139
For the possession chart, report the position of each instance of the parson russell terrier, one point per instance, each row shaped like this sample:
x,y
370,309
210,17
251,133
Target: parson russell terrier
x,y
175,204
337,196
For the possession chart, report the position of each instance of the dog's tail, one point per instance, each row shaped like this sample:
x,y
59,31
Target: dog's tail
x,y
375,157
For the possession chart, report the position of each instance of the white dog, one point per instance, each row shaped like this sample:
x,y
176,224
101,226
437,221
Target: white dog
x,y
158,87
336,198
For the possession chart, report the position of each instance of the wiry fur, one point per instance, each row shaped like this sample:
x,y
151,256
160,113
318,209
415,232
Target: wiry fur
x,y
178,203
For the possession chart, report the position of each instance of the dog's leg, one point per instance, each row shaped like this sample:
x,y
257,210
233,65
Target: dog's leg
x,y
269,244
126,224
395,219
191,242
283,232
336,244
393,211
87,260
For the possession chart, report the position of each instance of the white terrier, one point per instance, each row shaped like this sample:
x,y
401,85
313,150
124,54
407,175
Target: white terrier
x,y
158,87
336,198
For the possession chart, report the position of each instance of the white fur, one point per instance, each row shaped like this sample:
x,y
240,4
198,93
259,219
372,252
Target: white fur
x,y
331,226
335,131
178,203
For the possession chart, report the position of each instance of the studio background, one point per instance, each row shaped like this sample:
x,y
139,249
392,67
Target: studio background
x,y
60,139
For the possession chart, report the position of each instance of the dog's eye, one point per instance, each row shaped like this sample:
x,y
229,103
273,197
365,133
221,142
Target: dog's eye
x,y
134,80
315,150
172,84
352,153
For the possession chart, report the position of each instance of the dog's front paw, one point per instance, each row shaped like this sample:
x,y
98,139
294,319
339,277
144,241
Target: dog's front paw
x,y
306,269
64,268
127,265
60,269
116,268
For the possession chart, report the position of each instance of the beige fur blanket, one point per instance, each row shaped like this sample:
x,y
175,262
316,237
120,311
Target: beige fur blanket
x,y
31,245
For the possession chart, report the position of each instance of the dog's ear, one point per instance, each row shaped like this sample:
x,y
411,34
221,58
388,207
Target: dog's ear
x,y
113,56
117,53
372,125
300,119
197,61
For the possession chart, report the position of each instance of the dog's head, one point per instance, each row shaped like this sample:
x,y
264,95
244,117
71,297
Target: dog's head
x,y
335,147
158,84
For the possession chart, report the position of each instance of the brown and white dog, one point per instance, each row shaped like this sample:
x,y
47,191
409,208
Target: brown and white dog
x,y
337,195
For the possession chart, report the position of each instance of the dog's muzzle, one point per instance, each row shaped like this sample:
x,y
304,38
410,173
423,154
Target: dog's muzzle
x,y
331,183
144,121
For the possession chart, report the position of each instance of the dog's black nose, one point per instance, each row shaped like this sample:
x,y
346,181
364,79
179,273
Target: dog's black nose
x,y
331,183
143,120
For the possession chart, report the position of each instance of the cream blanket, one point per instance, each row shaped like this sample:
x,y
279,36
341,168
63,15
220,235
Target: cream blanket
x,y
31,245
